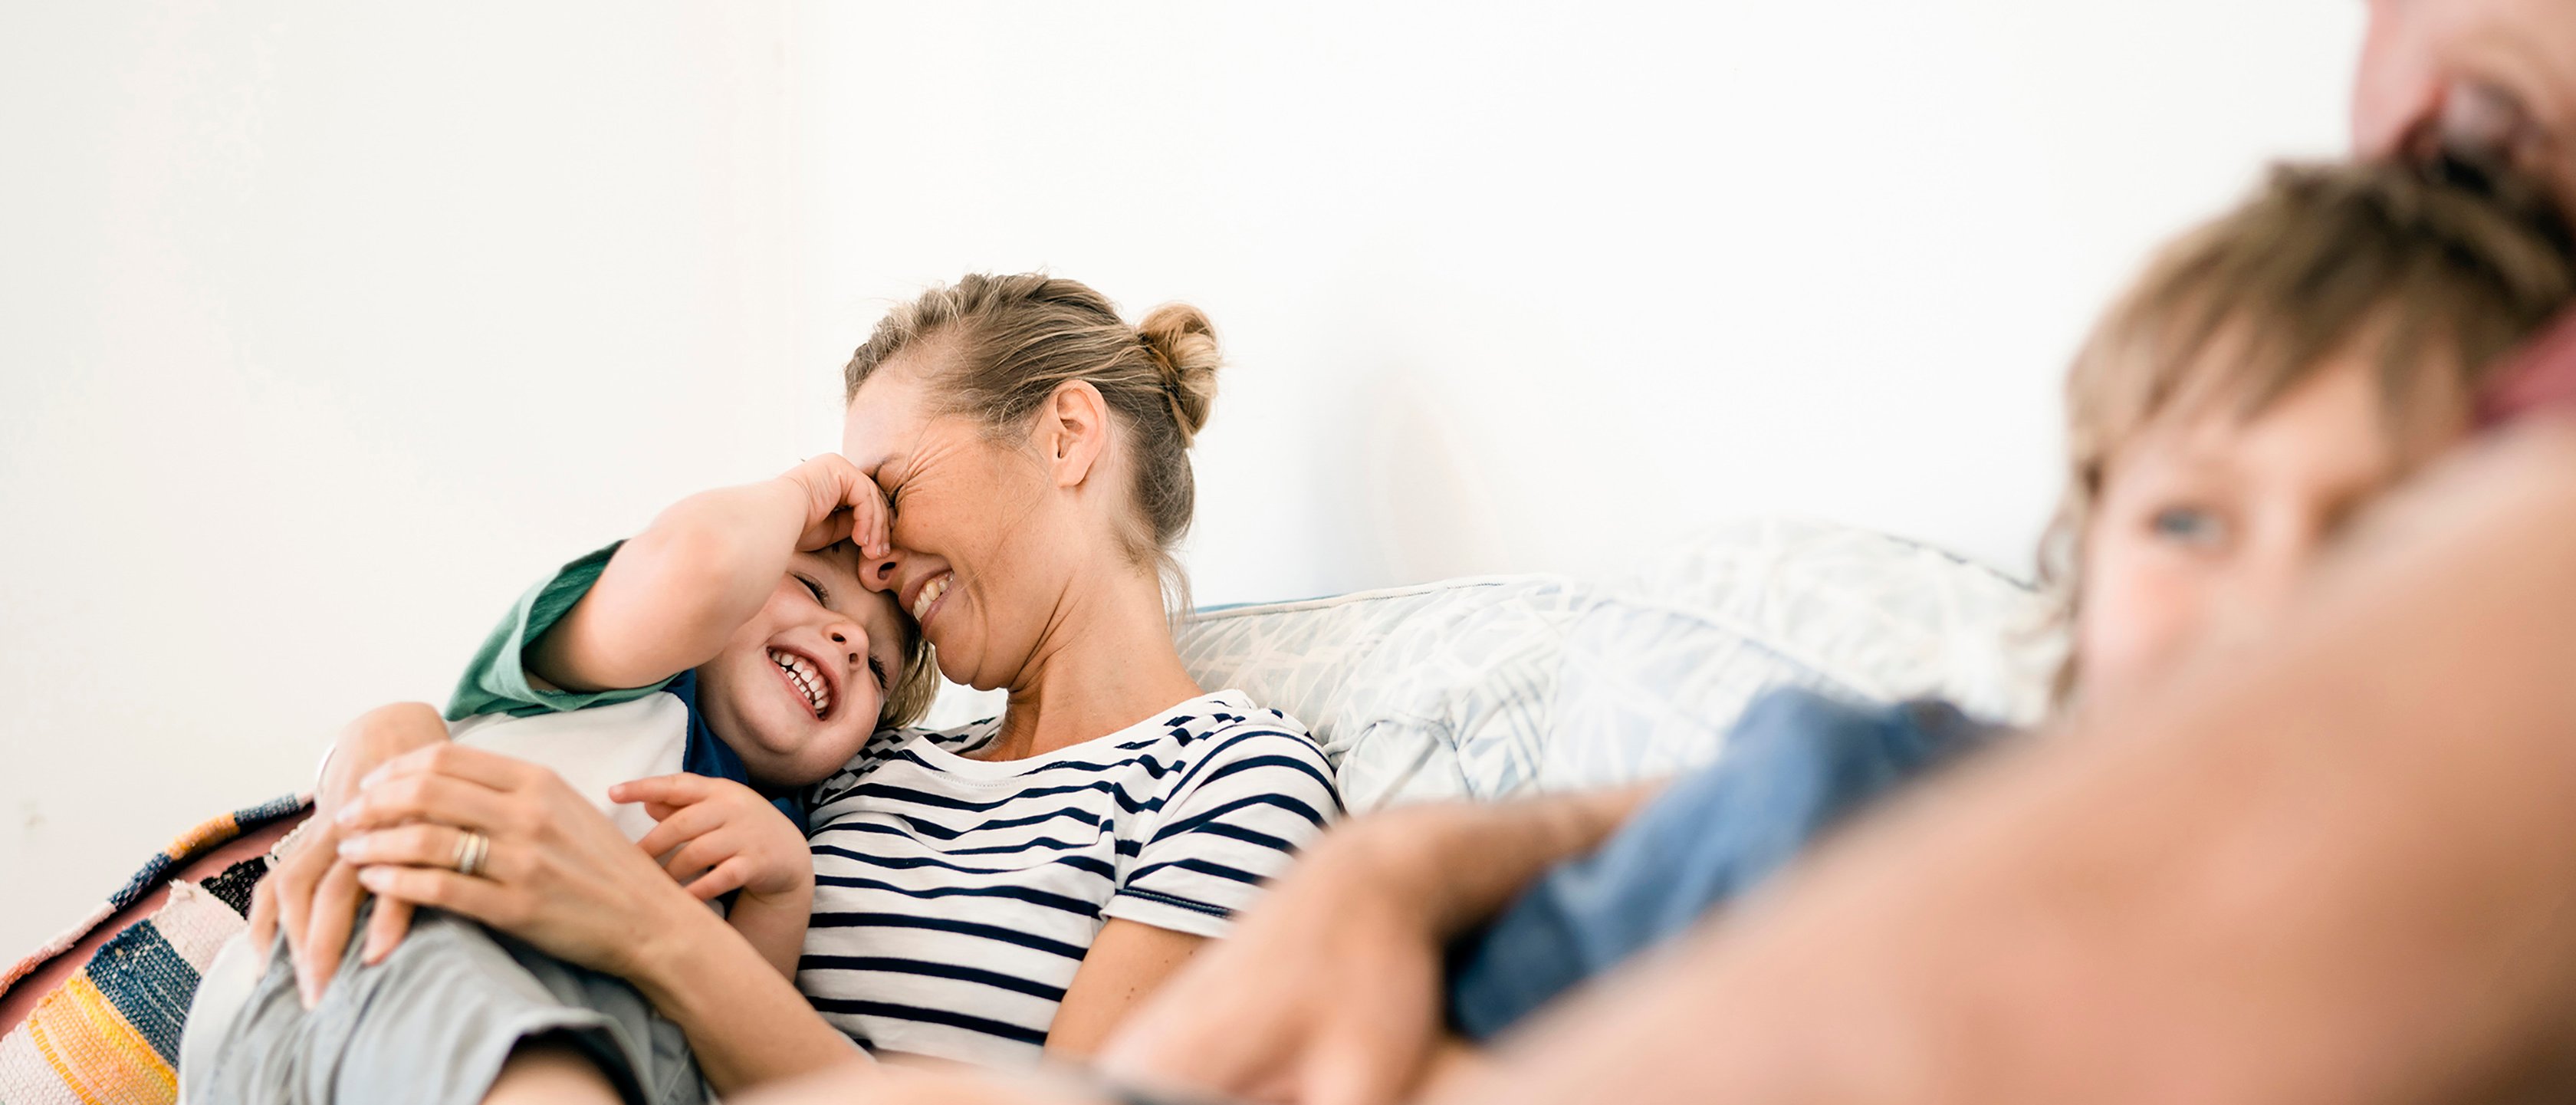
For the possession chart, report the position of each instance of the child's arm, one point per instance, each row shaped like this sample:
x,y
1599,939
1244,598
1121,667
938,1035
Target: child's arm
x,y
717,836
671,596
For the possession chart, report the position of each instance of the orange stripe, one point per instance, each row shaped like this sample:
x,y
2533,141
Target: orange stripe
x,y
99,1057
212,832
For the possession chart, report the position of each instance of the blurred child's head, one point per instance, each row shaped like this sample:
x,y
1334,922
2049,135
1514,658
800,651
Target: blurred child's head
x,y
2270,375
826,662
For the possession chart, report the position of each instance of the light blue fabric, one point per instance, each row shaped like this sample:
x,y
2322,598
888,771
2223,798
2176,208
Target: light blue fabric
x,y
1796,764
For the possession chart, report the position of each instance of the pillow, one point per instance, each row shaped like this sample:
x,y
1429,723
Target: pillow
x,y
1492,686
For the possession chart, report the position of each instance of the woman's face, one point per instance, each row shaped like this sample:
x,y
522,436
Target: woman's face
x,y
986,545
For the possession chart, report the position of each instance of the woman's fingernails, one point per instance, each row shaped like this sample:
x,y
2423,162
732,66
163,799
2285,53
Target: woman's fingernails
x,y
350,847
348,814
375,878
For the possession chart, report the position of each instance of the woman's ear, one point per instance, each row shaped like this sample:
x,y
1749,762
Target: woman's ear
x,y
1073,431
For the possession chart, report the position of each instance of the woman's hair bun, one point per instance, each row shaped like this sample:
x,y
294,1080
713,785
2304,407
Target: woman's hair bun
x,y
1183,344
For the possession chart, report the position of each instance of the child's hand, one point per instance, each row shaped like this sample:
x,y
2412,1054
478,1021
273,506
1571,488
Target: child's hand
x,y
841,502
717,835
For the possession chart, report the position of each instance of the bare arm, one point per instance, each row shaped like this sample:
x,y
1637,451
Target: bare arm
x,y
672,595
774,927
1127,962
2340,866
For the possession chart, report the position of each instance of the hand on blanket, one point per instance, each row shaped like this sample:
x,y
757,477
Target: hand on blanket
x,y
717,836
313,895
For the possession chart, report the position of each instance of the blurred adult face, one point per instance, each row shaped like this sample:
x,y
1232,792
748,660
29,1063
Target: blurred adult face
x,y
2488,81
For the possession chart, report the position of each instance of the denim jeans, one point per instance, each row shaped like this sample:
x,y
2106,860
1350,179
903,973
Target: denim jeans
x,y
1796,764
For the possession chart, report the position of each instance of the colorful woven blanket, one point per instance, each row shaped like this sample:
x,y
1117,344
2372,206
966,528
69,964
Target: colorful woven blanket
x,y
110,1033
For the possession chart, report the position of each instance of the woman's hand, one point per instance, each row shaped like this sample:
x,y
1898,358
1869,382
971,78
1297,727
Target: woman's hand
x,y
556,872
313,896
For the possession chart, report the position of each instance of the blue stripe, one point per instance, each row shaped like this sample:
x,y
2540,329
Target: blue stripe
x,y
1217,753
1084,864
942,801
148,983
888,1009
1249,763
937,831
942,924
1279,801
1201,866
1017,893
891,965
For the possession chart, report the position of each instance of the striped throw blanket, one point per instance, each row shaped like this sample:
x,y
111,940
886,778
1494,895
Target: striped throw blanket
x,y
110,1033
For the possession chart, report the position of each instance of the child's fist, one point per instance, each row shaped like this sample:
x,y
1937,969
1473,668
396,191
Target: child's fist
x,y
841,503
717,836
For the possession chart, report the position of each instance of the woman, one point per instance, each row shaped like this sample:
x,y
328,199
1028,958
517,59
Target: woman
x,y
983,894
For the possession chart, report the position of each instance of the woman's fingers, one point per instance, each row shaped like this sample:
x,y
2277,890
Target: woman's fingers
x,y
326,935
447,758
385,929
413,845
439,888
263,913
440,798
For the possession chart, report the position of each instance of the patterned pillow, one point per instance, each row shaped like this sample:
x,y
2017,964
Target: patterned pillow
x,y
1490,686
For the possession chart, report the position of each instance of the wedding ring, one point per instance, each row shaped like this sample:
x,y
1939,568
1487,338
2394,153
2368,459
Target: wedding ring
x,y
471,850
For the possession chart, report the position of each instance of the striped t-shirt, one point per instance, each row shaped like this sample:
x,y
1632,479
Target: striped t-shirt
x,y
954,898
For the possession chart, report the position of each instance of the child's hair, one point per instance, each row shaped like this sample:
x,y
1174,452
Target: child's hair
x,y
910,696
2323,261
1018,337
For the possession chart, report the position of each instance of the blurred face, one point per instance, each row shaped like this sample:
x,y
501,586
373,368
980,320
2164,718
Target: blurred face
x,y
991,548
2208,521
2491,80
798,688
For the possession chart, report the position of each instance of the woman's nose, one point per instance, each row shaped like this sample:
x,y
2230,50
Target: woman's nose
x,y
877,573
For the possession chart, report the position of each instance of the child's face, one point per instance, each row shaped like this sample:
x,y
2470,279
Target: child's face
x,y
2207,522
798,688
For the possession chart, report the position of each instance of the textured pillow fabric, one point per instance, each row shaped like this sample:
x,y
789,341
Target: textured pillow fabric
x,y
1656,672
1491,686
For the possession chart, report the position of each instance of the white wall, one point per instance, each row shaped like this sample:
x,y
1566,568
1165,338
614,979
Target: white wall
x,y
325,328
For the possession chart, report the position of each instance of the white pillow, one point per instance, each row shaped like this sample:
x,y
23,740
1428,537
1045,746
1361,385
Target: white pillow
x,y
1490,686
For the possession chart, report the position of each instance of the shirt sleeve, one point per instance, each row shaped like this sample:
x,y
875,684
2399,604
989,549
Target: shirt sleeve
x,y
497,682
1235,821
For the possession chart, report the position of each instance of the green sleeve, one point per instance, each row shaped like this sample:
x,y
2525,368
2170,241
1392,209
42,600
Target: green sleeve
x,y
497,682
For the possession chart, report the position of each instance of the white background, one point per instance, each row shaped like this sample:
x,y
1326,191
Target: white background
x,y
326,328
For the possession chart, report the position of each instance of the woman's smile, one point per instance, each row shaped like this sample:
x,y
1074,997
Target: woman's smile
x,y
925,598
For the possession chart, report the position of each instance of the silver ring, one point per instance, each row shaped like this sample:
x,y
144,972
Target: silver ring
x,y
471,850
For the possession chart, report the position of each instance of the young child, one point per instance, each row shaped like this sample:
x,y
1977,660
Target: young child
x,y
730,644
2269,376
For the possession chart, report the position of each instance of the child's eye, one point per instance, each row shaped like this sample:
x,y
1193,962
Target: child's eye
x,y
2187,525
820,595
877,667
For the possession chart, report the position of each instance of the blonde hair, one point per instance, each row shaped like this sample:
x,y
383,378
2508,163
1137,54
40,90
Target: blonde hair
x,y
2443,278
1017,338
910,696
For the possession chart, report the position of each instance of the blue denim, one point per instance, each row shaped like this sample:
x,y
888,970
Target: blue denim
x,y
1796,764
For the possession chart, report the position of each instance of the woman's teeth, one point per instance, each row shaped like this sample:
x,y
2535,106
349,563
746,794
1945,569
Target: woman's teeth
x,y
800,671
930,593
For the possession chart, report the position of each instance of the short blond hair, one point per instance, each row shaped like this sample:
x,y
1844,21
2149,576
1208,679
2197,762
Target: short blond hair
x,y
2323,261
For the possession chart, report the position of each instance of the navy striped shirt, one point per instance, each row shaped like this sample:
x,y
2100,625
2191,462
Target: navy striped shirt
x,y
954,898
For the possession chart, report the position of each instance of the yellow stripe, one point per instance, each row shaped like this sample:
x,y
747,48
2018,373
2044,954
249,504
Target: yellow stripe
x,y
100,1058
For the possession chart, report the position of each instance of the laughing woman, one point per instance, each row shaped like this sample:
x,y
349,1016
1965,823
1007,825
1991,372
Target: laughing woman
x,y
986,894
